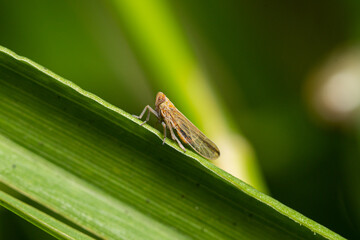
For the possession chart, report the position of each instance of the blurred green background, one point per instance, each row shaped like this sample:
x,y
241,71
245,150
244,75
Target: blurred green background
x,y
269,63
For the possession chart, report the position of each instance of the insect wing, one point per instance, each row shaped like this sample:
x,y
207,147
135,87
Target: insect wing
x,y
194,137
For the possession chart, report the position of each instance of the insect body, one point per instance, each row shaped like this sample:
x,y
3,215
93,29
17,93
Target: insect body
x,y
172,118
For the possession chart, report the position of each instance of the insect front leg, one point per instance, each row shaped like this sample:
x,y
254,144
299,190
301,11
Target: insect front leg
x,y
148,116
164,126
174,137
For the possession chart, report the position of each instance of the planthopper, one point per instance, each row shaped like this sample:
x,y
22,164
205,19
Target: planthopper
x,y
172,118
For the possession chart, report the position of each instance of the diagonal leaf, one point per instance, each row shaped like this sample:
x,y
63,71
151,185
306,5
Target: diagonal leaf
x,y
92,163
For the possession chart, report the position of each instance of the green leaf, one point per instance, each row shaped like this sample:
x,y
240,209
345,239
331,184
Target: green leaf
x,y
92,164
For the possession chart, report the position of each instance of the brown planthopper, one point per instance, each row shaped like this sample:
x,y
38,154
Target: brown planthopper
x,y
172,118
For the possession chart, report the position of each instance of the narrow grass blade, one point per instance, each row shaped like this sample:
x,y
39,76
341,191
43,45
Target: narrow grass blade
x,y
92,164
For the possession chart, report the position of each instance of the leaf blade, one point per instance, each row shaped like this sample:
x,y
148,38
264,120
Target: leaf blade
x,y
117,171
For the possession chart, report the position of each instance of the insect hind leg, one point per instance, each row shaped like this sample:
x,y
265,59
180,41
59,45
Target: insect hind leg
x,y
175,138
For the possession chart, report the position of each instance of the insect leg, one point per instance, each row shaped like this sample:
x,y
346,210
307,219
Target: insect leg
x,y
174,137
148,116
164,125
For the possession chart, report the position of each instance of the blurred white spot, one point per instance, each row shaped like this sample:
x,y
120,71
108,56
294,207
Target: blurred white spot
x,y
336,86
341,92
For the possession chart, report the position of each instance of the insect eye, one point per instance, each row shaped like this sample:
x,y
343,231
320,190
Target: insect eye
x,y
160,98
